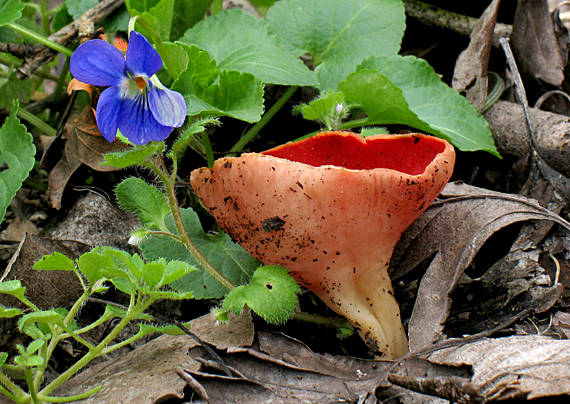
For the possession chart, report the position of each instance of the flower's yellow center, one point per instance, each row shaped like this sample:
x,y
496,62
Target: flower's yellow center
x,y
141,83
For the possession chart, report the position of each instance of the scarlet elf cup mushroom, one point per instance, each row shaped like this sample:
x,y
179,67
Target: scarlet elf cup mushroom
x,y
331,209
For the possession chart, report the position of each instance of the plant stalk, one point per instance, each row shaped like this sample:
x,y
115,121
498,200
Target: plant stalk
x,y
37,122
254,130
185,238
92,354
40,38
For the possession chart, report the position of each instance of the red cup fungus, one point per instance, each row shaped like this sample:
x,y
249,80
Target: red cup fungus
x,y
331,209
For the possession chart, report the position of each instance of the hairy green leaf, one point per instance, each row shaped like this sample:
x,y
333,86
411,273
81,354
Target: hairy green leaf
x,y
323,106
48,317
136,155
228,257
9,312
271,294
241,42
13,288
144,200
17,152
443,110
10,11
338,34
169,329
55,262
3,358
212,92
184,140
91,264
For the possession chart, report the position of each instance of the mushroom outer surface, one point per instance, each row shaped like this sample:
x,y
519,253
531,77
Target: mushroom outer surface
x,y
329,208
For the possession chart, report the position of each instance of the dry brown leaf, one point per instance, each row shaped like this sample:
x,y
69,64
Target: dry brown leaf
x,y
535,44
523,367
452,231
148,374
82,143
283,370
471,65
46,289
561,323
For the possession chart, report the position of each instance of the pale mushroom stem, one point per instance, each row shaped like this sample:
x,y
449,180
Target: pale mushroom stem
x,y
373,311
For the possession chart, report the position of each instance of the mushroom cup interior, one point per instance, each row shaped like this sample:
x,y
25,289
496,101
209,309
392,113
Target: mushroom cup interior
x,y
407,154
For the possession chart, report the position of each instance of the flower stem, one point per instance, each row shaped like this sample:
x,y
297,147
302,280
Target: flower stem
x,y
185,238
254,130
40,38
37,122
44,17
208,147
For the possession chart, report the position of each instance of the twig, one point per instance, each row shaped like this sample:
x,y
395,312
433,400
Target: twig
x,y
82,27
462,24
20,50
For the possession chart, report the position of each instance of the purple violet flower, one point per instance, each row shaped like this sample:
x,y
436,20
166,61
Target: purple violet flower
x,y
135,101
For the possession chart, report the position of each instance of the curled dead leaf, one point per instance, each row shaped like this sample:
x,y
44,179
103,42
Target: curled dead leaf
x,y
523,367
452,231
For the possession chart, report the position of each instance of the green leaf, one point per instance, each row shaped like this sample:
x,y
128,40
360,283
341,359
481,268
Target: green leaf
x,y
338,34
91,264
136,155
444,111
186,14
170,295
209,91
55,262
169,329
13,89
126,271
374,130
61,18
76,8
13,288
239,41
177,56
228,257
34,346
144,200
158,13
159,273
321,107
9,312
271,294
380,99
10,11
17,152
153,272
27,360
116,312
175,270
3,358
47,317
184,140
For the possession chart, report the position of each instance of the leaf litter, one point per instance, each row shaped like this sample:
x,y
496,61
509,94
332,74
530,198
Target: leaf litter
x,y
452,231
